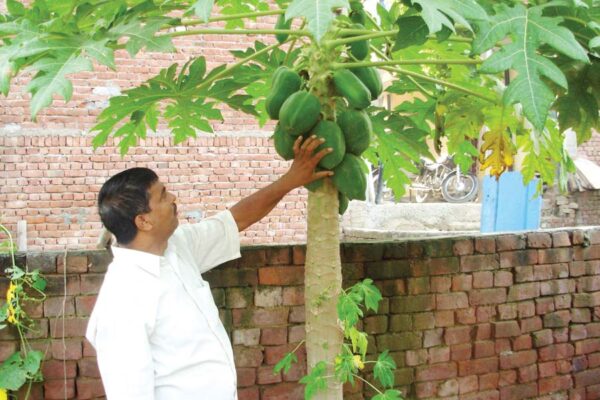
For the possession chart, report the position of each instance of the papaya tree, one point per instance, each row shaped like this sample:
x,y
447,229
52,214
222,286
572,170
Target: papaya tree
x,y
522,72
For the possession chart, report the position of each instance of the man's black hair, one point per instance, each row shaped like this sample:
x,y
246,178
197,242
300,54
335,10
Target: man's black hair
x,y
122,198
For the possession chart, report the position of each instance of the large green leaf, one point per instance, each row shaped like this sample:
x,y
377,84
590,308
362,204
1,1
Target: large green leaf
x,y
384,369
438,14
203,8
529,30
315,381
318,13
143,35
390,394
51,78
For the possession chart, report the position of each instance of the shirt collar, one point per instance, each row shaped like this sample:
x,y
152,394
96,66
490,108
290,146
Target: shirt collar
x,y
146,261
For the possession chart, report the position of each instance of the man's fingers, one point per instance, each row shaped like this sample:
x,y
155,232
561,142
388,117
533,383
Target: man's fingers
x,y
314,144
297,142
317,157
308,141
322,174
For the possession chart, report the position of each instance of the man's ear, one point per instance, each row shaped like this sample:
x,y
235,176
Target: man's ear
x,y
143,222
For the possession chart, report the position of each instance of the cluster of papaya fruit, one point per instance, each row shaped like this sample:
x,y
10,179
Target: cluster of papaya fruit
x,y
299,113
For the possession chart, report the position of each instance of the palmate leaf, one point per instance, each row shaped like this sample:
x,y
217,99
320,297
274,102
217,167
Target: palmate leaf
x,y
369,293
497,151
398,143
529,31
348,308
318,14
51,78
390,394
285,363
438,14
384,369
230,7
315,381
142,35
202,9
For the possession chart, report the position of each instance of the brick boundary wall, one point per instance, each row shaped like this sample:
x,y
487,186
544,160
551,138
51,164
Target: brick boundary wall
x,y
572,209
502,317
591,148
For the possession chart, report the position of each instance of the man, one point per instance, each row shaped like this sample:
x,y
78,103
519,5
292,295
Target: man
x,y
155,326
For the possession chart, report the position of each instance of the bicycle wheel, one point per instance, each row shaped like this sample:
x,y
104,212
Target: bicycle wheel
x,y
459,191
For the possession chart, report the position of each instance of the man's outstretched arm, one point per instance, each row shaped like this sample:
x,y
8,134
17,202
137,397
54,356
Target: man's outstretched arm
x,y
254,207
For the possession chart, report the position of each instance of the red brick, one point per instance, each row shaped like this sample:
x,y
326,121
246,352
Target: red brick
x,y
528,373
89,388
55,369
281,276
84,305
587,346
478,262
503,279
587,378
436,372
299,255
485,245
76,264
531,324
507,311
273,354
506,329
556,352
91,283
284,391
483,279
55,389
466,316
518,359
73,327
88,367
273,336
439,354
561,239
441,284
522,342
248,393
487,296
539,240
451,301
278,256
265,375
416,357
556,255
247,356
457,335
444,318
526,309
483,331
463,247
518,258
67,349
524,291
510,242
53,306
468,384
296,333
488,381
547,369
462,283
461,352
518,392
478,366
507,378
260,317
484,348
293,296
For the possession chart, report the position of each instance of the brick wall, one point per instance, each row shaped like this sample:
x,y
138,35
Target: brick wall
x,y
53,183
591,148
494,317
572,209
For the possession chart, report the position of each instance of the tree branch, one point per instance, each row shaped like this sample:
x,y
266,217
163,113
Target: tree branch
x,y
256,14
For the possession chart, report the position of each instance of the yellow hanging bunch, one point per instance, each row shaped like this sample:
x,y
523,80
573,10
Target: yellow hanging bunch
x,y
10,300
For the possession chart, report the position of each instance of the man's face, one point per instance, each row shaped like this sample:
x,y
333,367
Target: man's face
x,y
163,211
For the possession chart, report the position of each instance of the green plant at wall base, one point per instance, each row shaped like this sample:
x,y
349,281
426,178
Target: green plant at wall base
x,y
363,296
24,366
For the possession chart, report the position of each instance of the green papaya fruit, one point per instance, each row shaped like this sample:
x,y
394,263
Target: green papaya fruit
x,y
348,85
334,138
360,49
350,178
370,77
282,24
343,203
299,113
357,129
284,143
285,83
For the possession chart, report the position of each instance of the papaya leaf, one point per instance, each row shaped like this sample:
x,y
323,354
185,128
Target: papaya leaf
x,y
203,8
412,31
12,373
315,381
51,78
497,151
384,369
348,308
142,35
358,340
318,13
529,30
438,14
285,363
344,367
369,293
390,394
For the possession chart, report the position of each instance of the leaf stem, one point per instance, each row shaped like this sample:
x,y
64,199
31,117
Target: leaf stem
x,y
439,82
227,70
291,48
216,31
368,383
373,35
410,78
255,14
403,62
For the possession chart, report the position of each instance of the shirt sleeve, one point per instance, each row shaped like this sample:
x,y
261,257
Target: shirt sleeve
x,y
212,241
120,335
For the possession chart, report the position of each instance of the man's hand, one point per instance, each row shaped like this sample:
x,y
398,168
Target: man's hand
x,y
302,170
252,208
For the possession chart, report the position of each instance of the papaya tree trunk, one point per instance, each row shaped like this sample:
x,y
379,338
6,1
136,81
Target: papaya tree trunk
x,y
323,283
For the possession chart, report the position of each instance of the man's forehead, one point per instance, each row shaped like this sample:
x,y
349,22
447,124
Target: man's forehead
x,y
157,187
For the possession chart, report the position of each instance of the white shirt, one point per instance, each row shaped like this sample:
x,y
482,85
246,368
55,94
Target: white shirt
x,y
155,325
